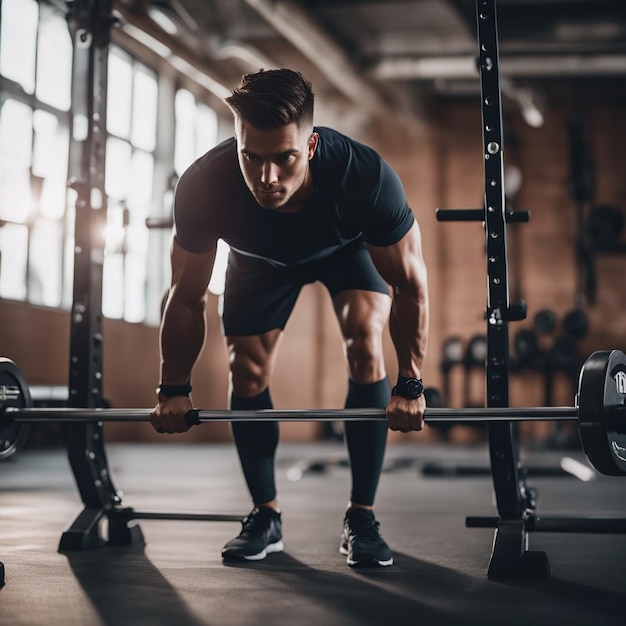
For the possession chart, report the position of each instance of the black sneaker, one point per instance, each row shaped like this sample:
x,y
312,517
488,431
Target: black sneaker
x,y
361,542
261,533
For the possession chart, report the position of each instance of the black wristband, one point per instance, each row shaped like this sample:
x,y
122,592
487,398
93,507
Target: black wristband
x,y
170,391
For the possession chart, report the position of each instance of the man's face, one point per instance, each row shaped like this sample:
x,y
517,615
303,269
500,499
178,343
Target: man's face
x,y
275,164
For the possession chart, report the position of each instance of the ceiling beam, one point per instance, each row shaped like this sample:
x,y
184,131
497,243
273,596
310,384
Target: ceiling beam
x,y
528,66
139,28
301,30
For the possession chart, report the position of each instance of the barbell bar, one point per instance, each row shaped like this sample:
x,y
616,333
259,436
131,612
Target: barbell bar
x,y
199,416
600,411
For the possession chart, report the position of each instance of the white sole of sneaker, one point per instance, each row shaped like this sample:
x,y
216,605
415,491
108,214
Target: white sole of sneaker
x,y
272,547
353,563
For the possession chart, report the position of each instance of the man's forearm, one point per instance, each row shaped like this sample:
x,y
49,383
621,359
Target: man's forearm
x,y
402,266
408,326
182,338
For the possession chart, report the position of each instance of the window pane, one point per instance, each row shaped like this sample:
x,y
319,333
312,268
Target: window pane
x,y
113,272
46,253
16,131
184,150
119,93
16,122
54,61
206,129
137,238
218,276
140,188
115,232
145,98
18,42
45,127
68,251
196,130
50,156
118,155
135,305
113,286
13,258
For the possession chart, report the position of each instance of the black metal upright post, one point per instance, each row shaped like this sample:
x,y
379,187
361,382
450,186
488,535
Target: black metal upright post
x,y
89,22
496,247
509,556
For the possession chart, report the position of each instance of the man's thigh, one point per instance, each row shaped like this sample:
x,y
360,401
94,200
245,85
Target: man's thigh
x,y
349,269
258,297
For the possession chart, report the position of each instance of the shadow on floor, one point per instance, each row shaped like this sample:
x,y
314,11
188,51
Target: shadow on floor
x,y
417,592
125,587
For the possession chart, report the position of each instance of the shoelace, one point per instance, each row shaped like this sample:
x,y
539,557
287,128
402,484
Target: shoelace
x,y
252,522
365,528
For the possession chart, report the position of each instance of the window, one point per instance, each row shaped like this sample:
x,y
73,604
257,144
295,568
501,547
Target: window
x,y
18,42
37,210
196,132
129,180
35,64
54,61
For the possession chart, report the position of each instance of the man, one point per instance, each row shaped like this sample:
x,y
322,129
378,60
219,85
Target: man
x,y
296,204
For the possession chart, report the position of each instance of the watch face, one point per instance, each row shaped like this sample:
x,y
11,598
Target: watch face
x,y
414,387
410,388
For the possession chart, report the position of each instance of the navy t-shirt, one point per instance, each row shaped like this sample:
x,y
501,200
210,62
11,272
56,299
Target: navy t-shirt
x,y
356,195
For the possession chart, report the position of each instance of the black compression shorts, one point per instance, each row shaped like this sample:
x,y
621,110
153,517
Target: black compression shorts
x,y
259,297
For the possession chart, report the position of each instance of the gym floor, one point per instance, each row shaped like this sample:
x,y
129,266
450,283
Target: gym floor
x,y
178,577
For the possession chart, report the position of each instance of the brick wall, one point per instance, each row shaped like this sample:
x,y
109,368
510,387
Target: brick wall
x,y
542,255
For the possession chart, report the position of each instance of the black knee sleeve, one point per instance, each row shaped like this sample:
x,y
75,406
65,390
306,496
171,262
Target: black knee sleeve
x,y
256,445
366,441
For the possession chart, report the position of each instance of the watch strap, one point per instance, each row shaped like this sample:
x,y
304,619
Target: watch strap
x,y
171,391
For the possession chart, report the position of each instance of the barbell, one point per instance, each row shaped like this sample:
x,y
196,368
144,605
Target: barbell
x,y
600,411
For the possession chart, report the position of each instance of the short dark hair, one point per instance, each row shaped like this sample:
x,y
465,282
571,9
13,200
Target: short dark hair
x,y
268,99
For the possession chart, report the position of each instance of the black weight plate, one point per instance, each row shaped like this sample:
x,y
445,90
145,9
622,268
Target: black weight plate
x,y
545,322
605,224
14,392
526,346
602,390
575,323
476,351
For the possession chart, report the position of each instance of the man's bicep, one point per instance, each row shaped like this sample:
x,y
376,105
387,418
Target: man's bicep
x,y
402,263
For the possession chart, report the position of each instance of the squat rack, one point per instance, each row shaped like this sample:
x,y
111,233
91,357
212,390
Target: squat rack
x,y
90,23
513,499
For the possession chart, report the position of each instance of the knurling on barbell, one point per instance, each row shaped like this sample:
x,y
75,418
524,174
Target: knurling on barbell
x,y
600,412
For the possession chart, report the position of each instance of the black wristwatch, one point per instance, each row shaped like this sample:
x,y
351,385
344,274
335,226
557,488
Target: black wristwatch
x,y
410,388
171,391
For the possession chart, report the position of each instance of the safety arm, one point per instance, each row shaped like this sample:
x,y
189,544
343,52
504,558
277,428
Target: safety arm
x,y
402,267
183,327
